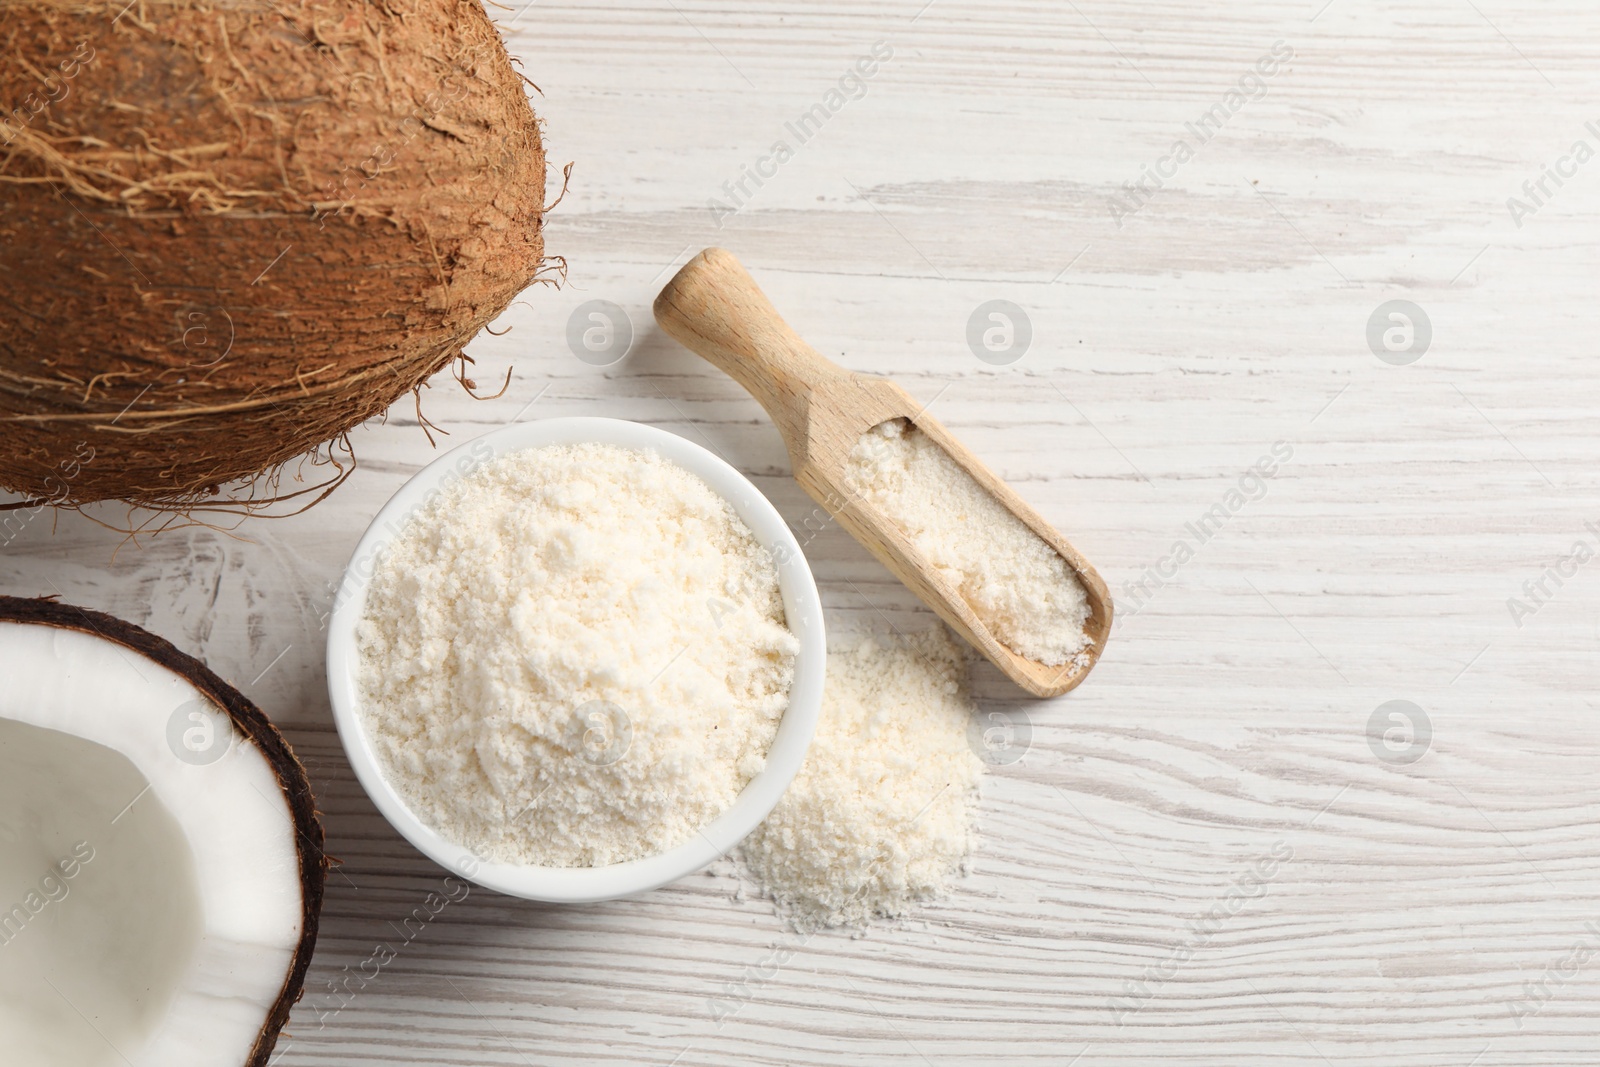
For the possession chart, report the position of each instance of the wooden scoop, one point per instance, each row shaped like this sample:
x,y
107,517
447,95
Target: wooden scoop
x,y
713,307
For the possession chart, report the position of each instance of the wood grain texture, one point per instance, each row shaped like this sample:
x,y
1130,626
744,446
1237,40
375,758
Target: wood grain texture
x,y
1421,914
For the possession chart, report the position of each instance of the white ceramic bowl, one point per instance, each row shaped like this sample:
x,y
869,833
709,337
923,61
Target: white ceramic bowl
x,y
801,605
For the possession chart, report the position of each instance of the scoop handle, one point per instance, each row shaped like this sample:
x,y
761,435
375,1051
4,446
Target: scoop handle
x,y
714,308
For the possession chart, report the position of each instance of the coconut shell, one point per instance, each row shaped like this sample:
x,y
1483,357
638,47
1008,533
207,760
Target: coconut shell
x,y
255,728
230,232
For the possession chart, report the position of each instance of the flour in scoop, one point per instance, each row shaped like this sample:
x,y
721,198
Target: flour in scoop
x,y
1020,587
574,656
883,813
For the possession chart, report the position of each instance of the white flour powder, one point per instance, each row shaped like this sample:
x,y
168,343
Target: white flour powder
x,y
1019,586
574,656
883,813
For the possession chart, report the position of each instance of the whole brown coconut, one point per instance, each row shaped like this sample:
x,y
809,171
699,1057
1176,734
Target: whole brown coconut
x,y
231,231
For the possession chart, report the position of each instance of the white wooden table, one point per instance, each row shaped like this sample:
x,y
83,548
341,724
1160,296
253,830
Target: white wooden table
x,y
1433,902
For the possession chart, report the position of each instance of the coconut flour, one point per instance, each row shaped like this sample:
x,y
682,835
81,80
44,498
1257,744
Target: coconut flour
x,y
1020,587
574,656
883,812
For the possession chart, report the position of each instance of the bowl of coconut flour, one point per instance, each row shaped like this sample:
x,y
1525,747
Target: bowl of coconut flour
x,y
576,659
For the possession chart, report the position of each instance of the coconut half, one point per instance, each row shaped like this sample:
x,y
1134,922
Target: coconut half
x,y
161,863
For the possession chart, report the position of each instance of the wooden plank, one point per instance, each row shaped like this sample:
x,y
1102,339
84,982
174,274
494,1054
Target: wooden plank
x,y
1428,913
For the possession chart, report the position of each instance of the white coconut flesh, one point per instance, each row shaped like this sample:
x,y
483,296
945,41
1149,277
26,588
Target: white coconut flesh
x,y
150,892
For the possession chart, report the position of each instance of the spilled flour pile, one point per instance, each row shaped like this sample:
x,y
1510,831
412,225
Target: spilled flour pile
x,y
1020,587
883,813
575,656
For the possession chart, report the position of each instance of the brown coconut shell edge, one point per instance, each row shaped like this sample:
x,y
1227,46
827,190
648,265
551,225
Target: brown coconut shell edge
x,y
251,722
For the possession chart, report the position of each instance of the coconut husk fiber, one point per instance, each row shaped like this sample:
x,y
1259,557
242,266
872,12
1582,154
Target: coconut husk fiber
x,y
229,232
